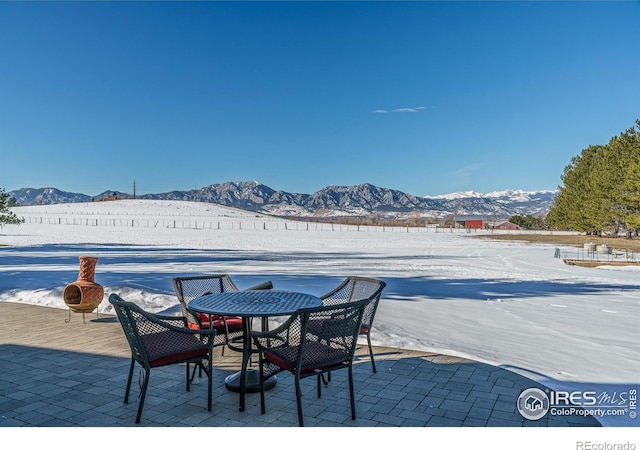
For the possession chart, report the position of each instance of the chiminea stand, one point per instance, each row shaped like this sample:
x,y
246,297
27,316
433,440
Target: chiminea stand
x,y
84,295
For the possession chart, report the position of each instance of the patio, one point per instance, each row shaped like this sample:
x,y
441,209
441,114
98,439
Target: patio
x,y
57,374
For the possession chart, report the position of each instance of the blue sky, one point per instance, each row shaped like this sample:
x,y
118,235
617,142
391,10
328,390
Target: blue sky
x,y
424,97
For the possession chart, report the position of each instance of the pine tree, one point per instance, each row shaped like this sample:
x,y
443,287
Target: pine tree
x,y
601,190
7,216
629,192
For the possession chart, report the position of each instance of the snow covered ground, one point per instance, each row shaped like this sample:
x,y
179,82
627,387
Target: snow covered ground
x,y
508,304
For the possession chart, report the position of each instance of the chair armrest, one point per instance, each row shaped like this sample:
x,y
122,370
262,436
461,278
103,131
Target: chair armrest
x,y
173,320
282,328
271,342
265,285
277,337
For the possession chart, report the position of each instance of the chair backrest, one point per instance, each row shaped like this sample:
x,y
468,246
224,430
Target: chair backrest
x,y
188,288
354,289
130,317
331,339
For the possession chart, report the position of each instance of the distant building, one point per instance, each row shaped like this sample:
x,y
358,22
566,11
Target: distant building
x,y
505,225
475,222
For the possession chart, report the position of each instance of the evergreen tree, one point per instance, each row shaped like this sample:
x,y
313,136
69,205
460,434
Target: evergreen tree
x,y
601,190
575,206
629,145
7,216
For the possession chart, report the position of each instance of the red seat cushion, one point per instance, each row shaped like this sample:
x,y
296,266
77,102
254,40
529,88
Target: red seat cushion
x,y
170,347
316,356
205,317
233,323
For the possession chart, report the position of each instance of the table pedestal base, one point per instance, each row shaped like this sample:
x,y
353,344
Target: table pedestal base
x,y
252,382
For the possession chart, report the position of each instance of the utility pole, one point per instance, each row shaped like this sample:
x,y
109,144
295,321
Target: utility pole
x,y
134,189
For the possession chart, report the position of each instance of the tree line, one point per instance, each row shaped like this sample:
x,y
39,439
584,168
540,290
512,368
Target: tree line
x,y
601,188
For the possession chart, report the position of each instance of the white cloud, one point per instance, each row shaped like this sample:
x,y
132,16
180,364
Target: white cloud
x,y
402,110
409,110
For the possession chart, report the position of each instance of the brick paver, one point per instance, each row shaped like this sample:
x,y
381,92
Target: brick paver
x,y
57,374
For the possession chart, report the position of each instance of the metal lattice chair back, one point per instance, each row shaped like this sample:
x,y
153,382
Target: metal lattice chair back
x,y
188,288
229,329
355,288
334,341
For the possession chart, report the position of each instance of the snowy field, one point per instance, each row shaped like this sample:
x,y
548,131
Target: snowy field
x,y
508,304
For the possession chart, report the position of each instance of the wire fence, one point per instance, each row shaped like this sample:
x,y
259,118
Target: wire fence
x,y
229,224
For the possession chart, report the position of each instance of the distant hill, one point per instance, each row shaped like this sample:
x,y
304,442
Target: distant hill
x,y
332,201
46,196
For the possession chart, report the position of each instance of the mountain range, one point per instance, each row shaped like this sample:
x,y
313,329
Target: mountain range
x,y
332,201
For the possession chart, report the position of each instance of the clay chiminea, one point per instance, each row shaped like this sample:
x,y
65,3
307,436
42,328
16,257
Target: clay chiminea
x,y
84,295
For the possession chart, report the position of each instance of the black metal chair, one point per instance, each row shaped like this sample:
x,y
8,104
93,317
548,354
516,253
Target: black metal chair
x,y
229,328
356,288
294,348
157,341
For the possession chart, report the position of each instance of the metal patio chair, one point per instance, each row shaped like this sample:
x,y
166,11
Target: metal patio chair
x,y
356,288
292,347
158,341
229,328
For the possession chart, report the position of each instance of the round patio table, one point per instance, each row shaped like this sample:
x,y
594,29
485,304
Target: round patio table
x,y
248,304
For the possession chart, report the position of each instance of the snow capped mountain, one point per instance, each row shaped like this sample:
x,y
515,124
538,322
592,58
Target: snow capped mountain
x,y
456,195
332,201
46,196
520,196
506,195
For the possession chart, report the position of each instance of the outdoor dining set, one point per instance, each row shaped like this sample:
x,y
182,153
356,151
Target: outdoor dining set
x,y
307,335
